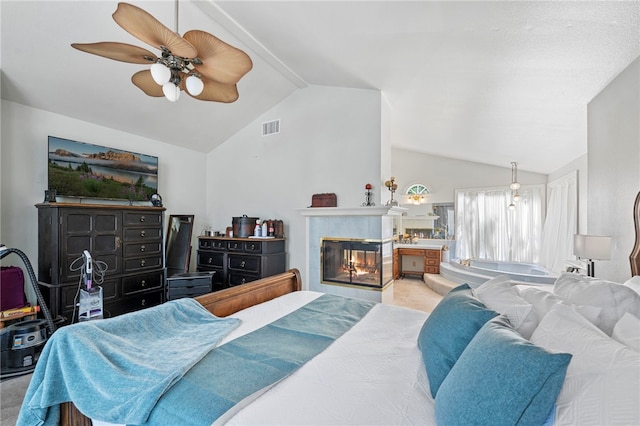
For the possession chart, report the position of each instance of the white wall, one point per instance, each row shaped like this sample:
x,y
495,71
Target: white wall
x,y
329,141
614,168
181,172
444,175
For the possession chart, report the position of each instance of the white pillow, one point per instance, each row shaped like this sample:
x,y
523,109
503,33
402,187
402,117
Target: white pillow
x,y
614,299
543,301
499,295
633,283
627,331
602,386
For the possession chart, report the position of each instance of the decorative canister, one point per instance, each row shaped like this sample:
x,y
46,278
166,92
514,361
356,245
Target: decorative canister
x,y
243,226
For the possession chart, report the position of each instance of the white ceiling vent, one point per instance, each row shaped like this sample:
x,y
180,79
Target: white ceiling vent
x,y
270,127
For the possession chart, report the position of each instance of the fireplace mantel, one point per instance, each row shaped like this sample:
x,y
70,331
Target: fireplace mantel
x,y
353,211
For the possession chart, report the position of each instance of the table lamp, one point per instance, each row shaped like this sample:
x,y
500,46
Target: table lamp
x,y
590,248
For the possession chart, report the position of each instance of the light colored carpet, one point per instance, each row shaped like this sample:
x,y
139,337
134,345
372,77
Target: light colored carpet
x,y
407,292
11,394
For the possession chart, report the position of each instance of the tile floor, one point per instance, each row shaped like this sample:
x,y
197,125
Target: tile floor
x,y
415,294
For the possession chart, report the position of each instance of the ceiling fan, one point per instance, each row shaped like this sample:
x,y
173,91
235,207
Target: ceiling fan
x,y
199,63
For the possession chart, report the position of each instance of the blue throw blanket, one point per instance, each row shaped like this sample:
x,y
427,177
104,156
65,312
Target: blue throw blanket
x,y
115,370
238,369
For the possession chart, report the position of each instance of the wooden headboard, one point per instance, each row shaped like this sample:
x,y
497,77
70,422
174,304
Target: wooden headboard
x,y
634,257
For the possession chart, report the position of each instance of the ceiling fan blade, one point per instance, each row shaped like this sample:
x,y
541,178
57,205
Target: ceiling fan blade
x,y
144,81
216,92
118,51
140,24
220,61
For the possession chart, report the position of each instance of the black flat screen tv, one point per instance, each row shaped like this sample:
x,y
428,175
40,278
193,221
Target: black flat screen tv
x,y
83,170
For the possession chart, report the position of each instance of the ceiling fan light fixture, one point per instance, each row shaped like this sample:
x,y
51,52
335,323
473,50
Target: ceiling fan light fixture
x,y
171,91
213,63
195,86
160,73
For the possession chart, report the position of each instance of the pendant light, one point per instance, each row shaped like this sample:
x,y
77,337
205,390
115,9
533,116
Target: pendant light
x,y
515,185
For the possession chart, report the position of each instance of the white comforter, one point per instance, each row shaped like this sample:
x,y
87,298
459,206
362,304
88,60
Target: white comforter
x,y
374,374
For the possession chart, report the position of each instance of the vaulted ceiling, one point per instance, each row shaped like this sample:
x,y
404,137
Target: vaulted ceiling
x,y
492,82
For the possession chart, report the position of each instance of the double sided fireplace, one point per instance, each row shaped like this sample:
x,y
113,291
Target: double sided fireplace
x,y
358,262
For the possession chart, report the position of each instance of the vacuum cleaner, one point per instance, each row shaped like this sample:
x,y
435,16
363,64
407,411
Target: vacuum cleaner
x,y
22,343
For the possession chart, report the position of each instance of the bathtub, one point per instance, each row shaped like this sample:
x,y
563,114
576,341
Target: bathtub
x,y
480,271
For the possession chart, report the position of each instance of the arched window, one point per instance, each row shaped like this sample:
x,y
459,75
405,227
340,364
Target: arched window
x,y
416,193
418,189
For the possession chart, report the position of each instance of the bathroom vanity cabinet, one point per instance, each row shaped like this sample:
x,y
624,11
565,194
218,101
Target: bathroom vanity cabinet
x,y
430,260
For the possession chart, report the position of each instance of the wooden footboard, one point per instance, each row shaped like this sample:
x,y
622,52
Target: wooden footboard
x,y
234,299
220,303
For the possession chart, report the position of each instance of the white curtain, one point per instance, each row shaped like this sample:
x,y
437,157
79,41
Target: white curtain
x,y
561,222
487,229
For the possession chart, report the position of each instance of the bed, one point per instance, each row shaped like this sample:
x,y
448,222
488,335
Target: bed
x,y
497,354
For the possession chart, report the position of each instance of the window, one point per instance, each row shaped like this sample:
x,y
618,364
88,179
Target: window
x,y
418,189
416,194
487,229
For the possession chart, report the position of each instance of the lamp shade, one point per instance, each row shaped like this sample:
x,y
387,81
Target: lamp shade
x,y
160,73
171,91
194,85
592,247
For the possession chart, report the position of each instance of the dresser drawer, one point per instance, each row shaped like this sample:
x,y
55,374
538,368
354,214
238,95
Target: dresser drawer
x,y
136,249
177,293
190,279
142,234
432,269
253,246
142,282
240,278
234,245
210,259
431,262
411,252
143,263
209,244
433,254
244,263
133,218
134,303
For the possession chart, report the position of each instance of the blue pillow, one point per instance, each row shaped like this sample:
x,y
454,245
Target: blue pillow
x,y
501,379
448,330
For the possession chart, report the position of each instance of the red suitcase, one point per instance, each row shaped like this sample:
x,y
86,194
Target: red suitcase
x,y
12,288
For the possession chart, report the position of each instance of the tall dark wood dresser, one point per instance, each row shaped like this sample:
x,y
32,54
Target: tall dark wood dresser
x,y
128,239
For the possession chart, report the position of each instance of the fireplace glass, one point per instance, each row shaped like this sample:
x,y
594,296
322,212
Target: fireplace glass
x,y
367,263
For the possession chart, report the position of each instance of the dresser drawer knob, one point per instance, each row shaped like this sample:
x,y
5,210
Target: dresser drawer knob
x,y
210,260
143,233
143,302
242,264
142,218
244,280
253,246
143,262
143,283
142,248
